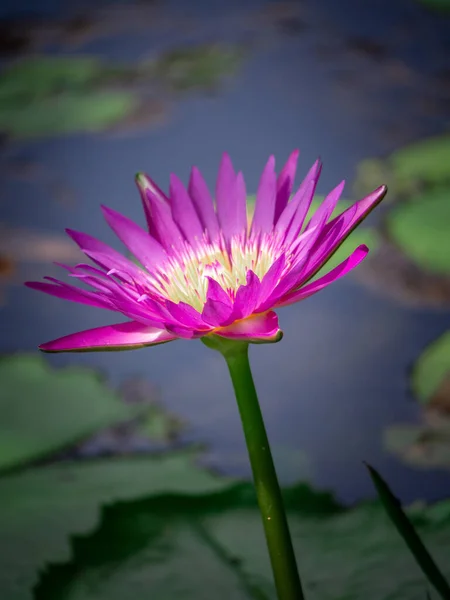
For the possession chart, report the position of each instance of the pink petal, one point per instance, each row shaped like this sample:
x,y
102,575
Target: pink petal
x,y
247,297
258,329
122,336
164,228
337,230
112,258
294,229
296,210
265,199
285,184
198,190
272,278
185,333
218,306
186,315
144,183
293,275
231,200
184,213
325,210
146,249
69,292
308,290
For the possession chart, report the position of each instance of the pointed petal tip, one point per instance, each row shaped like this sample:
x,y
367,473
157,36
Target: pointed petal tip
x,y
141,179
44,349
175,180
106,210
226,160
122,336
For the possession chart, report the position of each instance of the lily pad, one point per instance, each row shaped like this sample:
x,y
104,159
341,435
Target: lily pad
x,y
431,368
43,410
420,227
40,508
427,444
55,95
182,546
188,68
67,113
45,75
406,171
425,161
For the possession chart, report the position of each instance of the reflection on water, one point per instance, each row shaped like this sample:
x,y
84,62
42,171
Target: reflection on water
x,y
346,89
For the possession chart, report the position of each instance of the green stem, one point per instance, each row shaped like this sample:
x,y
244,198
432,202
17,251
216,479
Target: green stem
x,y
284,566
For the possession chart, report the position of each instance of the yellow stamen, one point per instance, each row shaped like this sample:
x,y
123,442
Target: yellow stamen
x,y
185,276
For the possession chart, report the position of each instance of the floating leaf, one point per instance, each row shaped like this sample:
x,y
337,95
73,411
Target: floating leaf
x,y
67,113
173,546
425,161
420,227
43,409
431,368
39,77
423,164
427,444
201,66
40,508
54,95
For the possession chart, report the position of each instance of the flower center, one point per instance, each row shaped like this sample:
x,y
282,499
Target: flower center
x,y
184,277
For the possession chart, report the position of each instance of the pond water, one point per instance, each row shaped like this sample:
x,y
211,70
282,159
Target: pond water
x,y
337,80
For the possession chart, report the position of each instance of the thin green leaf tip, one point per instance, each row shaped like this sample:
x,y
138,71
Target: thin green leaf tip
x,y
405,528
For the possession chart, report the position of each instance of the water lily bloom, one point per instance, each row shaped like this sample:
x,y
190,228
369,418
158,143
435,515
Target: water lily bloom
x,y
203,267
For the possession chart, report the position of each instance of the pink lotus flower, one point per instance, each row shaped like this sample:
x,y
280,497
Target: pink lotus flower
x,y
204,269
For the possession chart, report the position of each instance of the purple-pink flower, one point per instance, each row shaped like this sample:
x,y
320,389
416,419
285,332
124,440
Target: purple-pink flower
x,y
203,268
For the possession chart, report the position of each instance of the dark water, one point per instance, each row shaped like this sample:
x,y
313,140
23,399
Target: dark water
x,y
339,376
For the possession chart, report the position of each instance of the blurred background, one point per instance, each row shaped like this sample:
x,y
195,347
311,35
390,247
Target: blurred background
x,y
91,93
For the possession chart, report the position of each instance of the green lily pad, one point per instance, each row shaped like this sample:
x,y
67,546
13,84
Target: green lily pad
x,y
40,508
67,113
420,227
43,410
425,161
431,368
427,444
406,171
55,95
44,75
188,68
213,545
